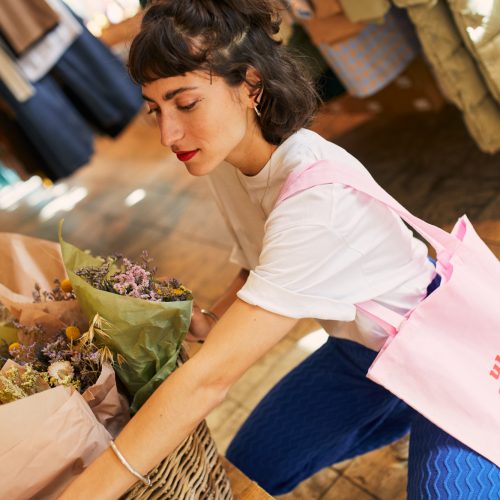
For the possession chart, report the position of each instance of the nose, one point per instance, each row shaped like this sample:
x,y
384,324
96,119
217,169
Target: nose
x,y
171,131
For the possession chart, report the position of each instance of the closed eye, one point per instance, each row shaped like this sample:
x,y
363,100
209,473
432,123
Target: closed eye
x,y
188,107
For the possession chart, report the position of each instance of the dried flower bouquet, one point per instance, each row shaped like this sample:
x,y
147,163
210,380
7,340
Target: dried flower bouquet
x,y
148,317
60,405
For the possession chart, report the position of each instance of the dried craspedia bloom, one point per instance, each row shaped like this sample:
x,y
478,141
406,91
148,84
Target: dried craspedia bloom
x,y
66,285
72,332
14,348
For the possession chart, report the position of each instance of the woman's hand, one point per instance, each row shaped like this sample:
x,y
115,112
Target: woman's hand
x,y
200,326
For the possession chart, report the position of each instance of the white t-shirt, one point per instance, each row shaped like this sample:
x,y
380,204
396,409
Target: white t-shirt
x,y
322,250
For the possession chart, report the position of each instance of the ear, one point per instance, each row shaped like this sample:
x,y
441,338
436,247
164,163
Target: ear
x,y
253,86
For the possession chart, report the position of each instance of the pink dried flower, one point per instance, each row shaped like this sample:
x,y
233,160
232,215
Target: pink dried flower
x,y
134,280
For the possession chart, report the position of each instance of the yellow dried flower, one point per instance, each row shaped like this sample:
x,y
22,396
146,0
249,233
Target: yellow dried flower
x,y
66,285
72,332
14,348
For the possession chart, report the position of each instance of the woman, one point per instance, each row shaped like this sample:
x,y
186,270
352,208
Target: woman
x,y
232,104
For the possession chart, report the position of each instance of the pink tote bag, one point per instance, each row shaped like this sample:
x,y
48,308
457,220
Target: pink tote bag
x,y
443,357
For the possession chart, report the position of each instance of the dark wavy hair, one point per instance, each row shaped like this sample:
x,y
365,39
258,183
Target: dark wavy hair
x,y
226,38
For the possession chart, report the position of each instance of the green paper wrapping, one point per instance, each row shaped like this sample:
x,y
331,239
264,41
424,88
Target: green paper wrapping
x,y
147,334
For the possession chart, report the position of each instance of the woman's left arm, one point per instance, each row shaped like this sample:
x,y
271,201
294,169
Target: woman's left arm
x,y
235,343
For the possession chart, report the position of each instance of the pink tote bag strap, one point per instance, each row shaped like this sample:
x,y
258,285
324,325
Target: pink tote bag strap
x,y
387,319
328,172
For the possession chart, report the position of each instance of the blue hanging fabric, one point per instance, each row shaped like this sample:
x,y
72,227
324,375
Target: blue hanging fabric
x,y
100,84
84,87
53,126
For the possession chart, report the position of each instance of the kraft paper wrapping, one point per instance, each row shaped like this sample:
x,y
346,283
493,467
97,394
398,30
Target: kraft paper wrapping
x,y
21,257
26,261
107,404
45,441
54,434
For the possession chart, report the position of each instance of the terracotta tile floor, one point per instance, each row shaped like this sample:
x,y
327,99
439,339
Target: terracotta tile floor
x,y
427,161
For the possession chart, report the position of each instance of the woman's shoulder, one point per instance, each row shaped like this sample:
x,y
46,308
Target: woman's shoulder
x,y
306,147
328,205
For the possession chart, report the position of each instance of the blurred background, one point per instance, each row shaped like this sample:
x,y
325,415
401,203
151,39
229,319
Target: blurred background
x,y
410,87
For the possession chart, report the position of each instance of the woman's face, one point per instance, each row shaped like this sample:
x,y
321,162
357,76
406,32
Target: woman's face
x,y
203,121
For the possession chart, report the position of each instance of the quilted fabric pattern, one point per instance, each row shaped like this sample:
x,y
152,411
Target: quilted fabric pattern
x,y
456,70
479,26
367,62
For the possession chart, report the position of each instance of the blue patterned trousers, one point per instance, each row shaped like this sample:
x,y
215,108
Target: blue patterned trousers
x,y
326,410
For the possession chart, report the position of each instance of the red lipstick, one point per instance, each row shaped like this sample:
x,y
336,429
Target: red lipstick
x,y
186,155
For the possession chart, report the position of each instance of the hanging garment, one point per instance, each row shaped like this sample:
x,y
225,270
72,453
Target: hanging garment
x,y
54,127
479,27
42,57
94,79
97,89
456,70
24,22
443,357
99,84
12,76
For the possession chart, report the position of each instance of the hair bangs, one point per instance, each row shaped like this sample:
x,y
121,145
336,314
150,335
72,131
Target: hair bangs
x,y
158,55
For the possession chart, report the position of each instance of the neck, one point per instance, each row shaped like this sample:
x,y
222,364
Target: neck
x,y
252,153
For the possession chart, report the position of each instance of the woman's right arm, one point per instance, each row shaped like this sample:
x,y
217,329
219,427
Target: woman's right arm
x,y
242,336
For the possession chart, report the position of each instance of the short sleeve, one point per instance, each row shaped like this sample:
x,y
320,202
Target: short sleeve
x,y
280,300
305,268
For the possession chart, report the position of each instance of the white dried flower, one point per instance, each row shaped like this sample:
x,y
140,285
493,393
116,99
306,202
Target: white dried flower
x,y
61,371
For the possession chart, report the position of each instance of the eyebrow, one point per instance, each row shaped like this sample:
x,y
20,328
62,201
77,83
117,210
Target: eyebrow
x,y
169,95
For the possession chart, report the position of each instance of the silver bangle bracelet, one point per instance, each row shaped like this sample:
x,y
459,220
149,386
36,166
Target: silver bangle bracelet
x,y
144,479
210,314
